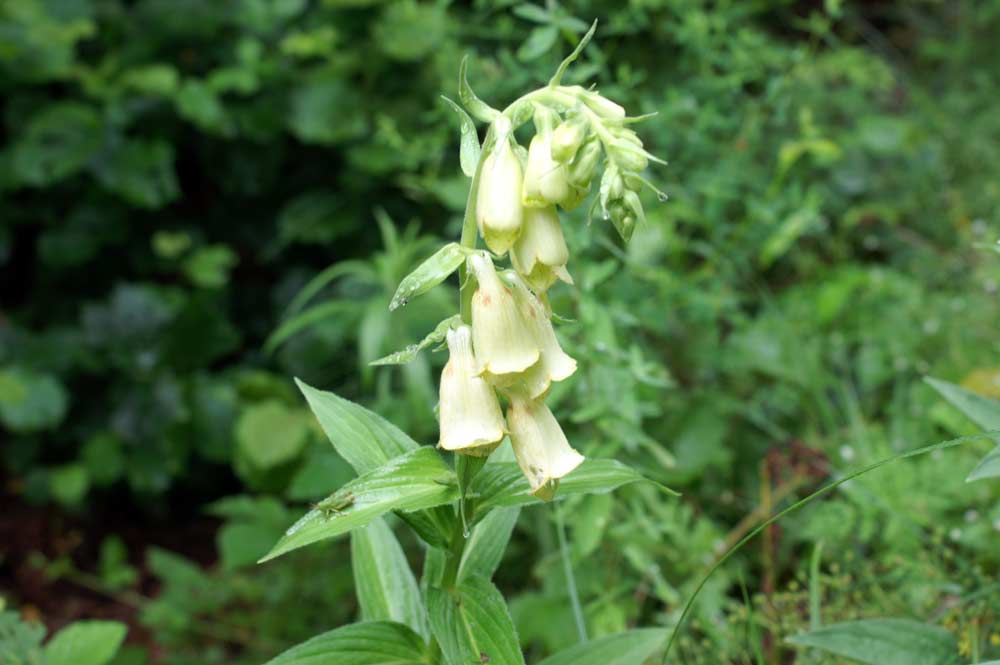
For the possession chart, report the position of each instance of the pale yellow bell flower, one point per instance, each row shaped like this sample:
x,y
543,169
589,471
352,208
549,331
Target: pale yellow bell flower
x,y
505,342
540,253
540,447
469,413
499,210
554,364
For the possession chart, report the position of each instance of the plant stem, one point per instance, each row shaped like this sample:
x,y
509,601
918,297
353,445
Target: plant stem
x,y
574,596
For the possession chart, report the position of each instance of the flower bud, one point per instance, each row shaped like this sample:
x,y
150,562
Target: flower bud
x,y
505,343
540,253
628,155
554,363
545,180
623,218
540,447
604,107
498,203
469,412
581,171
567,138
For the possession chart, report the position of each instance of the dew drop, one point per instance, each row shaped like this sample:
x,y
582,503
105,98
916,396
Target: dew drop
x,y
661,197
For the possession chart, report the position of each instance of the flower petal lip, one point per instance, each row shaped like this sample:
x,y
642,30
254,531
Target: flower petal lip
x,y
504,340
554,364
470,418
540,253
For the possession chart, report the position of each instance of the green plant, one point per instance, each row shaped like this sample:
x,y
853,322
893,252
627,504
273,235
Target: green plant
x,y
502,340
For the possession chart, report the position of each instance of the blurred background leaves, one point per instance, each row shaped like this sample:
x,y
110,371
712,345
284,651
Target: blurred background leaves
x,y
174,172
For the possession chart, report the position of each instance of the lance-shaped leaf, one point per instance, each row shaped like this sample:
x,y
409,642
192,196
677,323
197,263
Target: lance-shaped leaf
x,y
571,58
479,109
429,274
472,624
628,648
485,546
885,642
468,155
363,438
504,484
383,581
370,643
983,411
415,480
436,336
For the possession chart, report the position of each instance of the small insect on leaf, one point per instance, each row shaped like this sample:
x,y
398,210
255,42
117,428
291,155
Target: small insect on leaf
x,y
335,505
483,658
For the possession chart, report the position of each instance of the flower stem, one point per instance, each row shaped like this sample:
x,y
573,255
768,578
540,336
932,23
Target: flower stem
x,y
574,595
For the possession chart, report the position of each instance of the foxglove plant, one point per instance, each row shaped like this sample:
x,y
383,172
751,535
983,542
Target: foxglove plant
x,y
503,357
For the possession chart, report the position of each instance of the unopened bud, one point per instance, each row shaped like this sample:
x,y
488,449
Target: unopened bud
x,y
568,137
540,253
628,156
604,107
470,418
504,341
581,170
540,446
623,218
499,211
545,180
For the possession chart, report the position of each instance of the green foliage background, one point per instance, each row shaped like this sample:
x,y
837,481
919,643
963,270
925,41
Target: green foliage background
x,y
174,171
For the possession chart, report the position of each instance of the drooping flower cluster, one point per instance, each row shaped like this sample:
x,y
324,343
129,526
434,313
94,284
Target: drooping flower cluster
x,y
506,349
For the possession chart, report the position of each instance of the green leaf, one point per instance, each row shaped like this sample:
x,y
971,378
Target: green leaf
x,y
30,401
571,58
983,411
139,171
433,337
385,585
538,43
20,641
208,267
472,624
884,642
468,155
479,109
271,434
429,274
57,143
503,484
415,480
628,648
365,439
485,547
320,312
371,643
85,643
69,483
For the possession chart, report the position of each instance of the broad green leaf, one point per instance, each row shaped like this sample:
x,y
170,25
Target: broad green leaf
x,y
434,525
85,643
385,585
469,151
370,643
433,337
429,274
479,109
505,485
538,43
415,480
30,401
629,648
988,467
20,640
983,411
486,544
140,171
472,624
885,642
365,439
58,141
271,434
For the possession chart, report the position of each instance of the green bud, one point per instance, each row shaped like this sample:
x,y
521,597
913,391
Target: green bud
x,y
568,137
622,218
581,170
627,155
604,107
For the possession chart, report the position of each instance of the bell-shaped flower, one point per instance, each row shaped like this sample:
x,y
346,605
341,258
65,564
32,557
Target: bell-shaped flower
x,y
471,422
554,363
546,181
568,137
540,447
540,253
499,210
505,341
